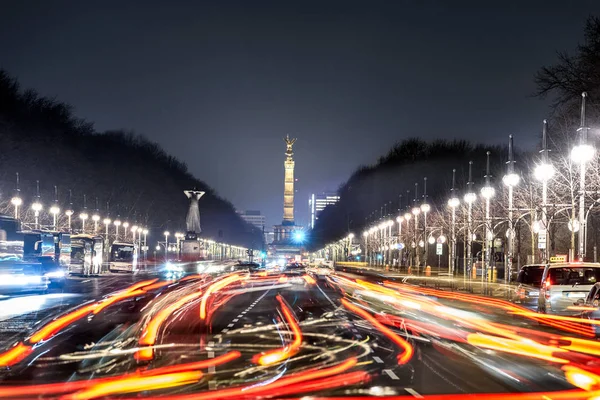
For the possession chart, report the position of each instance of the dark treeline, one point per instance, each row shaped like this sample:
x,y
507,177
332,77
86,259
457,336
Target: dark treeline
x,y
42,140
389,185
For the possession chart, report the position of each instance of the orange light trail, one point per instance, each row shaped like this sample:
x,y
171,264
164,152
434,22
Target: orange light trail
x,y
277,355
117,297
65,387
150,332
272,388
521,348
135,384
215,287
403,344
58,324
14,355
309,279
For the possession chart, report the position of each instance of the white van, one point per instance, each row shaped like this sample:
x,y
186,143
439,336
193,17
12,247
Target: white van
x,y
566,285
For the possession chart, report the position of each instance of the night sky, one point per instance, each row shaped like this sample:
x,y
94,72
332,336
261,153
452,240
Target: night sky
x,y
220,84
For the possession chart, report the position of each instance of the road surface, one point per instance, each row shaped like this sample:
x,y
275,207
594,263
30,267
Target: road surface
x,y
234,334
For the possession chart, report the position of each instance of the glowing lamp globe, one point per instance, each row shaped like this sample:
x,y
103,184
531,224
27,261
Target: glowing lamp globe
x,y
470,198
16,201
543,172
454,202
425,207
582,153
511,180
487,192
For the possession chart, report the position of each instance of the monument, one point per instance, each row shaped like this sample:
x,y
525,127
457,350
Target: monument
x,y
284,241
190,245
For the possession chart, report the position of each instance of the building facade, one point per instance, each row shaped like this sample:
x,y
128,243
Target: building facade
x,y
318,202
253,217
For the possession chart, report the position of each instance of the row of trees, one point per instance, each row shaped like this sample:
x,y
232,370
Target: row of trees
x,y
373,193
42,140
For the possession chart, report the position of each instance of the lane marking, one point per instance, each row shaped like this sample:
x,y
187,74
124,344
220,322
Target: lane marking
x,y
378,360
414,393
391,374
236,320
230,326
225,330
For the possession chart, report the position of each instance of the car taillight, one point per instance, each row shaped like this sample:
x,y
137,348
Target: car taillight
x,y
548,283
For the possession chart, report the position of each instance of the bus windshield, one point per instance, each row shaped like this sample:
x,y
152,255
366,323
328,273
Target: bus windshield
x,y
122,253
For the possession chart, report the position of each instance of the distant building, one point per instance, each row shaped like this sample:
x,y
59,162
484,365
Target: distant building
x,y
318,202
253,217
269,237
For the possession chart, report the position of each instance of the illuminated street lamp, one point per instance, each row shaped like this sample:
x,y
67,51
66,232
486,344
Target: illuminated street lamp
x,y
106,222
117,224
54,210
69,212
125,226
37,206
582,154
166,233
510,180
145,232
469,198
83,216
133,231
17,201
95,218
487,192
453,202
416,211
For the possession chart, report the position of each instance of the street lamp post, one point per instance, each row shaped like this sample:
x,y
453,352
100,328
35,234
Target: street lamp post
x,y
544,172
453,202
125,225
145,232
55,209
416,211
582,154
69,212
366,237
487,192
510,180
117,223
469,198
37,206
166,233
95,218
83,216
400,220
425,208
133,231
17,200
107,222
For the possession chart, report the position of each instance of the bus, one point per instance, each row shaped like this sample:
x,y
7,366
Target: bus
x,y
86,254
123,257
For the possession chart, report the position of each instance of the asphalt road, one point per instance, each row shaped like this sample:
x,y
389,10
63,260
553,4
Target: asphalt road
x,y
231,334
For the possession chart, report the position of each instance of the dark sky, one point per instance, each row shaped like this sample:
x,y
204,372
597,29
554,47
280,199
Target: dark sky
x,y
218,84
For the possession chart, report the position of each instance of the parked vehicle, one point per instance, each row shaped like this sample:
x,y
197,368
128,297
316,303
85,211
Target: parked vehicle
x,y
529,282
566,285
123,257
50,248
86,254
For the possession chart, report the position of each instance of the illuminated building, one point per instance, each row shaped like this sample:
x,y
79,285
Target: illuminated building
x,y
253,217
317,203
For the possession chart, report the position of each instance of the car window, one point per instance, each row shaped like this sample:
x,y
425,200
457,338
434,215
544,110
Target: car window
x,y
531,276
574,276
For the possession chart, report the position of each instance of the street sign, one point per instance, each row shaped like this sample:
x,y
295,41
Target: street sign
x,y
558,259
542,239
439,249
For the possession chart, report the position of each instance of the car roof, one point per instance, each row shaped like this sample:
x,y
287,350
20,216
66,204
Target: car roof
x,y
574,265
534,266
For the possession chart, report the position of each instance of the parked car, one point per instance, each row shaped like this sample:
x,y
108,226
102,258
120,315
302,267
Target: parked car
x,y
566,285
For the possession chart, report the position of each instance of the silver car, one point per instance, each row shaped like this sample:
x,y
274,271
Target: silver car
x,y
566,285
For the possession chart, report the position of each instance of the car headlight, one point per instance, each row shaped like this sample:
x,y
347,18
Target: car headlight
x,y
173,268
55,274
